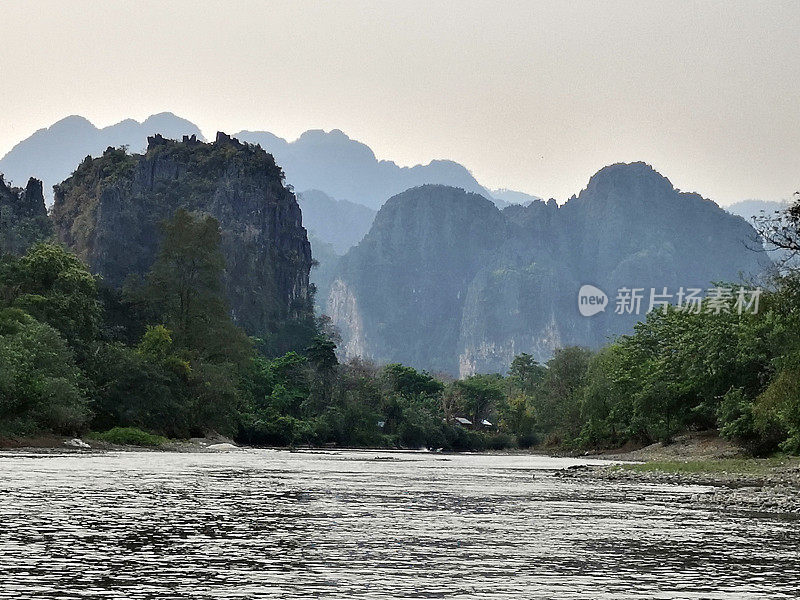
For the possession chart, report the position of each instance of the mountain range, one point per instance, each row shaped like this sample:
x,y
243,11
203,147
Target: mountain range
x,y
52,153
449,276
444,280
330,162
748,209
347,169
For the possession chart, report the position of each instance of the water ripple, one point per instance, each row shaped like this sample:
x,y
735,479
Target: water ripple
x,y
265,524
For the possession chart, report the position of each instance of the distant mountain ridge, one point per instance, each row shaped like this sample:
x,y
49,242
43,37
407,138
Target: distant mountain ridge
x,y
331,162
341,223
747,209
345,168
51,154
447,282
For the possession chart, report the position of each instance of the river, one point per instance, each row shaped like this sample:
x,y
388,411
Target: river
x,y
349,524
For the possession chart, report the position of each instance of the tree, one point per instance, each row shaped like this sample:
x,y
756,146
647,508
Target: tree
x,y
481,395
781,230
54,287
41,388
184,287
322,354
409,382
558,407
525,373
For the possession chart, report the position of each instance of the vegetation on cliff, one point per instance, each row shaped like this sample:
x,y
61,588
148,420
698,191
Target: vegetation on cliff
x,y
110,210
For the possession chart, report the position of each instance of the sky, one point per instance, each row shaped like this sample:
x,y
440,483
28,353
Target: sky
x,y
533,96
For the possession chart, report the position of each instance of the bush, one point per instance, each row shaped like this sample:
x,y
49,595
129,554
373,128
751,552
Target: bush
x,y
129,436
499,441
528,441
735,417
777,410
41,388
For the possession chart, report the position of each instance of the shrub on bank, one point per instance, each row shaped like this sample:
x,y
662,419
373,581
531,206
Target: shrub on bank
x,y
129,436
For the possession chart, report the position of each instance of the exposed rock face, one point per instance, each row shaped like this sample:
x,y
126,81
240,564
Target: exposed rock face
x,y
110,209
23,217
446,281
406,282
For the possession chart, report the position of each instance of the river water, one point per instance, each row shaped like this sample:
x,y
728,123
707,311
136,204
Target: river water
x,y
270,524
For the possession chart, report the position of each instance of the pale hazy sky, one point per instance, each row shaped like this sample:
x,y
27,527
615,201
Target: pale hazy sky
x,y
535,96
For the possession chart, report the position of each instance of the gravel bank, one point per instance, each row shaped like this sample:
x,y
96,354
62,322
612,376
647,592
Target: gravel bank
x,y
776,490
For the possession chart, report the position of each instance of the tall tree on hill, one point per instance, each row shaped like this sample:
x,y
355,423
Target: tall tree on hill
x,y
184,286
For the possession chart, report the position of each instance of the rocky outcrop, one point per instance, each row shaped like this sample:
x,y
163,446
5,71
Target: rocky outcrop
x,y
409,277
23,217
446,281
110,209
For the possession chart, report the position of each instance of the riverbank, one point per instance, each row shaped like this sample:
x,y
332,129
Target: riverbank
x,y
49,444
737,481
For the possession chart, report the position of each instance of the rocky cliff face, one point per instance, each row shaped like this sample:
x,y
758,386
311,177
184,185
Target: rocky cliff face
x,y
398,293
110,209
23,217
446,281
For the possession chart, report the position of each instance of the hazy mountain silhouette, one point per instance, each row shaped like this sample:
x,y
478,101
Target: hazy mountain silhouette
x,y
345,168
328,161
340,223
504,197
756,208
52,154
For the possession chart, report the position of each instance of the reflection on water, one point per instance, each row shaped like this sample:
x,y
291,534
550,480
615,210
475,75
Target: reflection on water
x,y
267,524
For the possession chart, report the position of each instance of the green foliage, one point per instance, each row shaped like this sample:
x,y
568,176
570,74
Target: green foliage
x,y
735,417
411,383
525,374
131,390
129,436
480,395
156,344
41,388
322,354
18,234
777,410
558,401
184,287
518,416
52,285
